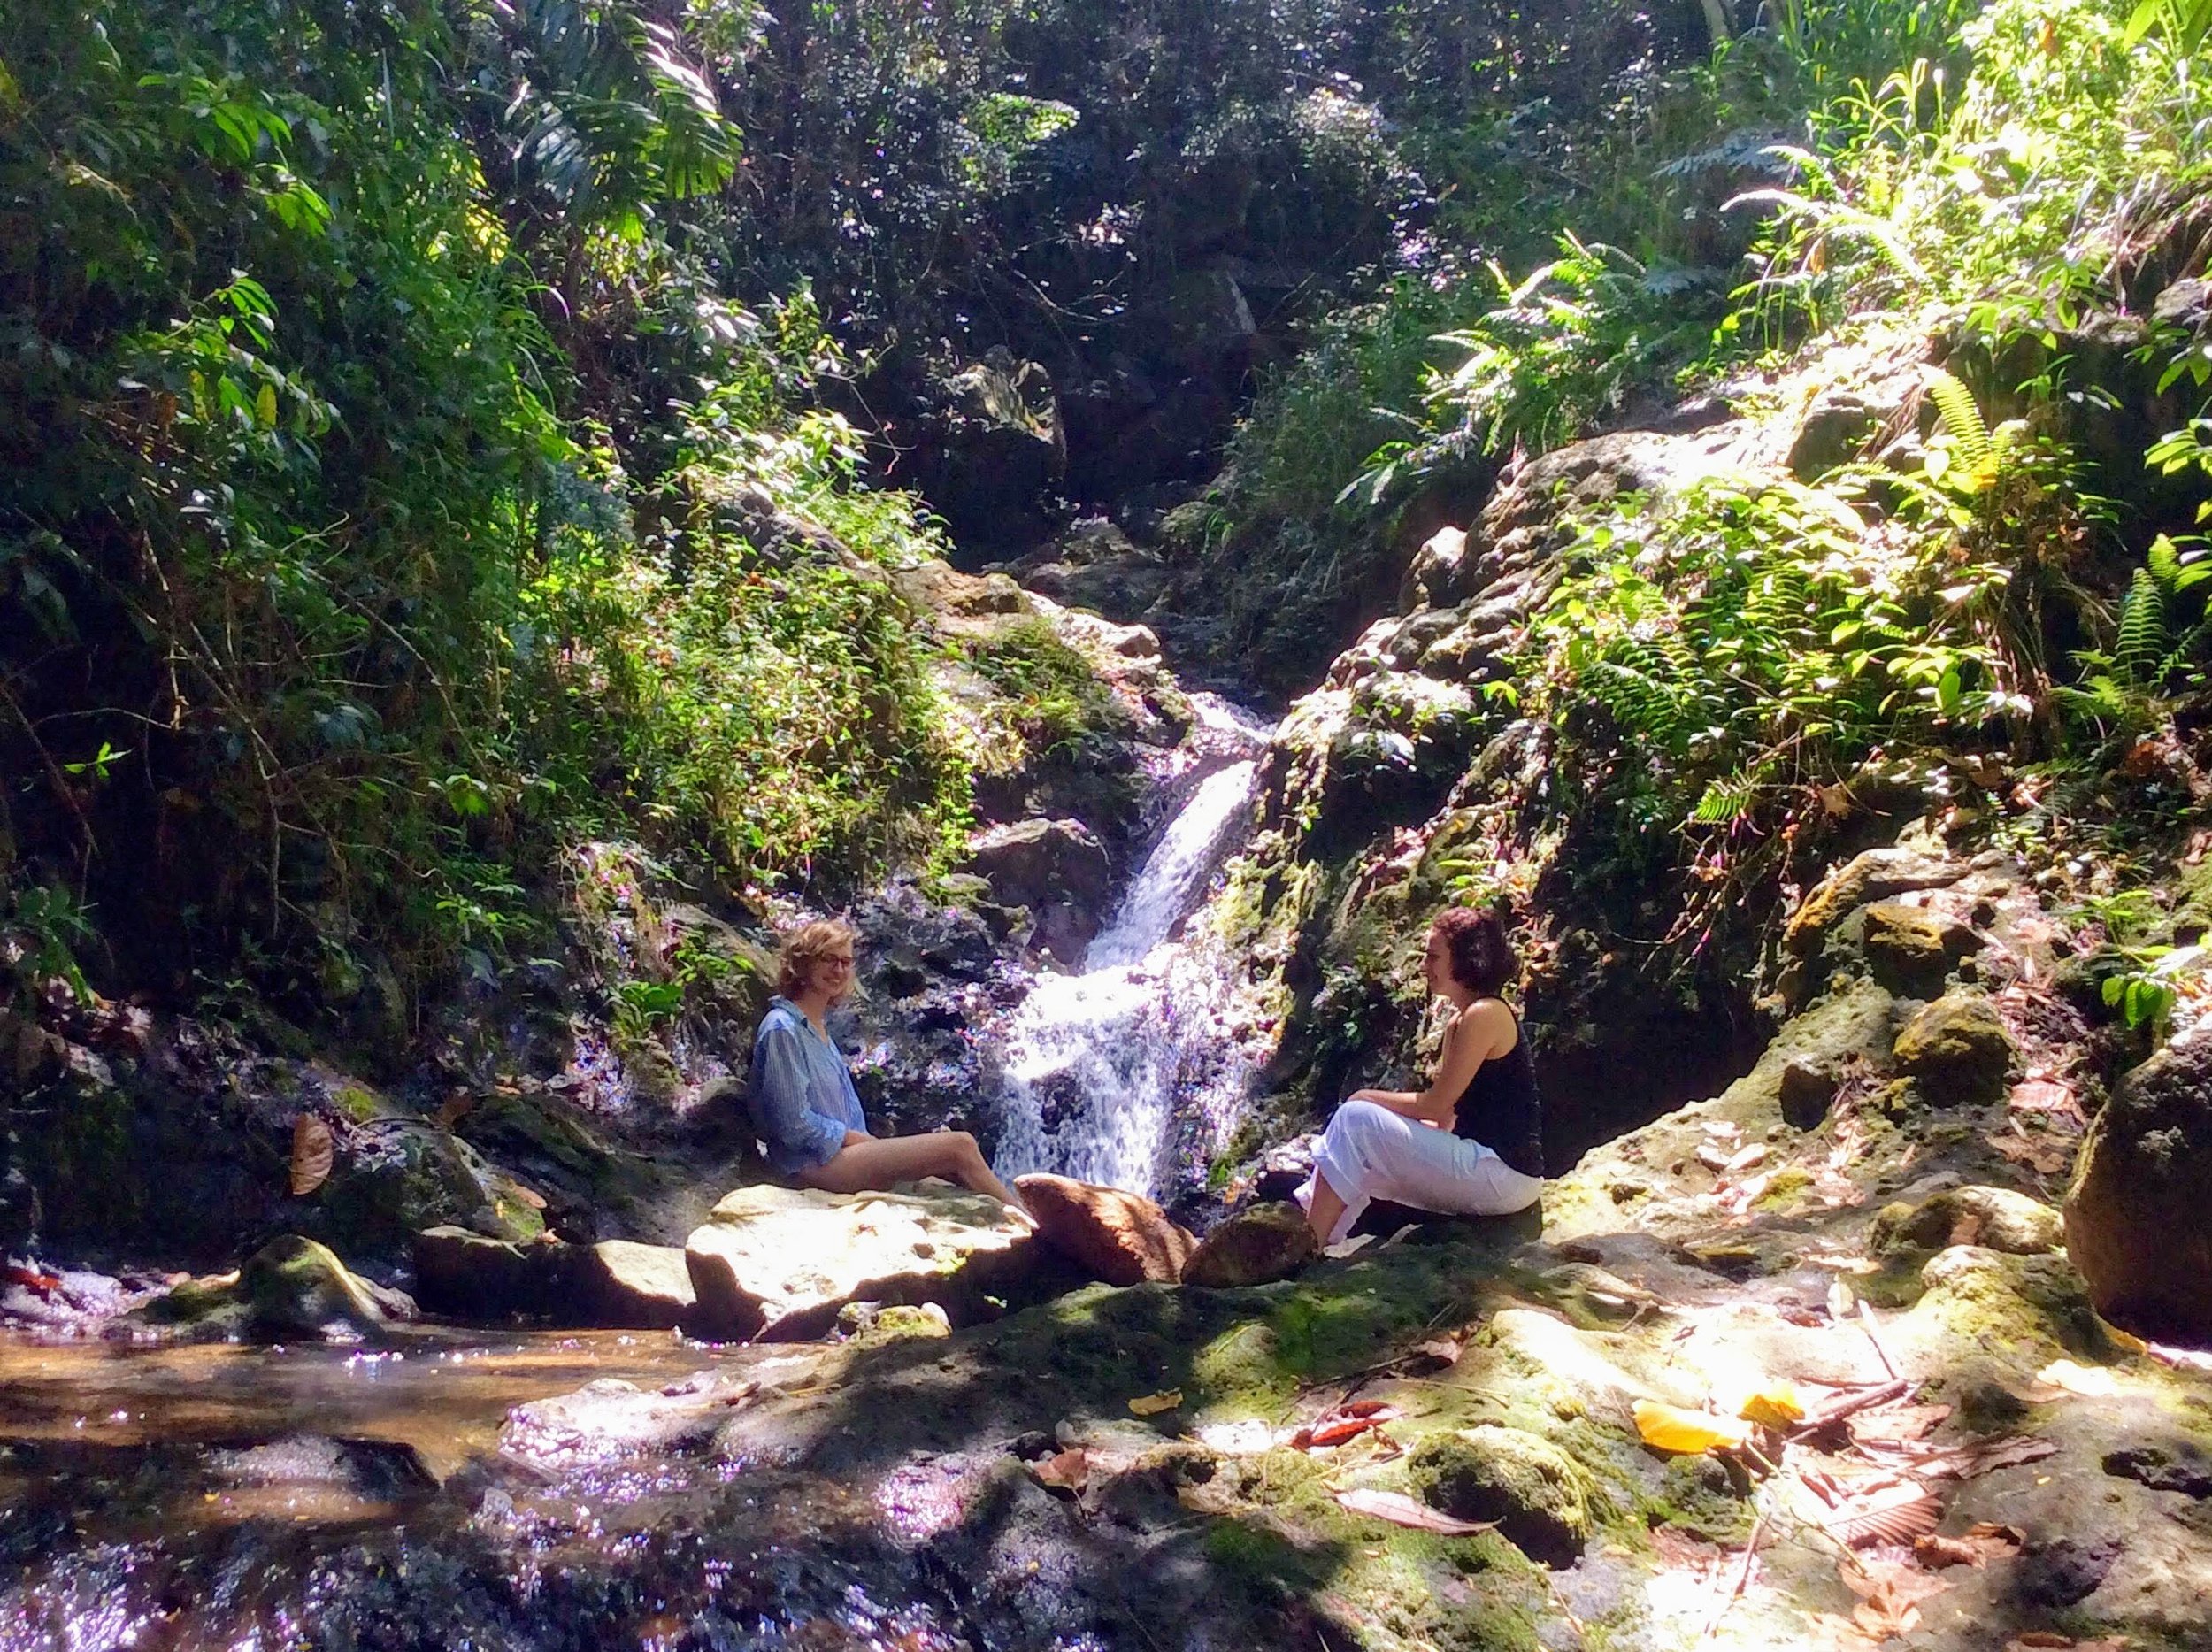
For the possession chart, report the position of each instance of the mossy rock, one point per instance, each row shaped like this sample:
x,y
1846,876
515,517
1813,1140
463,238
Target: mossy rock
x,y
2014,1312
1267,1242
1704,1496
1994,1217
1911,949
1537,1497
1957,1048
294,1287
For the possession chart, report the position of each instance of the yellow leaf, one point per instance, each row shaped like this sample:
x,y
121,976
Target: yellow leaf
x,y
1153,1404
1773,1404
1671,1428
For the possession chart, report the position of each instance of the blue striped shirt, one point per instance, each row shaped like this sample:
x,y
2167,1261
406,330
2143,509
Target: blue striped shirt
x,y
800,1093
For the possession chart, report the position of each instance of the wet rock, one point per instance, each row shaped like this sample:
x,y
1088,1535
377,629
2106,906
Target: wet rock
x,y
1122,1238
294,1287
1957,1048
1058,869
2138,1219
1996,1219
375,1469
469,1276
1525,1483
782,1263
1267,1242
395,1178
1910,950
619,1283
872,1325
1875,875
1094,565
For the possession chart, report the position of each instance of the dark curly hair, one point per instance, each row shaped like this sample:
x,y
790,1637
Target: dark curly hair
x,y
1474,939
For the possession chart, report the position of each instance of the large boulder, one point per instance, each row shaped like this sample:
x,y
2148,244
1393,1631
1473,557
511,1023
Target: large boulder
x,y
620,1282
2138,1219
1057,869
780,1262
1120,1237
472,1276
992,449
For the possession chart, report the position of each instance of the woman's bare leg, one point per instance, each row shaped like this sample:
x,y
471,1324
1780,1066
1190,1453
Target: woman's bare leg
x,y
1322,1213
881,1160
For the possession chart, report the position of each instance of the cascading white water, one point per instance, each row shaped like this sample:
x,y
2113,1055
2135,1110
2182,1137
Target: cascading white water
x,y
1095,1063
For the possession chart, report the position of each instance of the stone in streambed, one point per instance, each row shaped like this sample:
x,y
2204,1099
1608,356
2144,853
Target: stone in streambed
x,y
469,1276
1911,949
1119,1237
294,1287
781,1262
620,1283
1254,1247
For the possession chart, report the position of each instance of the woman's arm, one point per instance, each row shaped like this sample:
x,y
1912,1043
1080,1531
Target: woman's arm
x,y
1468,1041
783,1109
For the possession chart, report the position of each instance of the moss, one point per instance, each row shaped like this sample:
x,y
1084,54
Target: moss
x,y
1783,1188
1703,1496
1538,1496
357,1102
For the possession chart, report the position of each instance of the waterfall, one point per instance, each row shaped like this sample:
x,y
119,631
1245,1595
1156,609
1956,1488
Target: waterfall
x,y
1099,1065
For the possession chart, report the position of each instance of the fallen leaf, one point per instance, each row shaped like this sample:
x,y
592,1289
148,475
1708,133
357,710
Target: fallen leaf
x,y
1153,1404
1840,1300
2092,1382
312,1151
2046,1155
34,1280
1749,1158
1065,1471
1346,1422
1959,1463
1984,1541
1890,1424
1773,1404
2180,1358
1241,1440
1400,1510
1672,1428
1893,1511
1890,1592
452,1110
1444,1349
1828,1633
2044,1095
1713,1156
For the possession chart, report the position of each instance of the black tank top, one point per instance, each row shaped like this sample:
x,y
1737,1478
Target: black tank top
x,y
1499,1107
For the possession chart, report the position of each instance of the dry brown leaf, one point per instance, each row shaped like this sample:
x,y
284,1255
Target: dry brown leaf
x,y
453,1109
1890,1592
1982,1542
2180,1358
2047,1097
1893,1511
1825,1631
1400,1510
1890,1424
2046,1155
2039,1640
1750,1158
1065,1471
1713,1156
1153,1404
312,1151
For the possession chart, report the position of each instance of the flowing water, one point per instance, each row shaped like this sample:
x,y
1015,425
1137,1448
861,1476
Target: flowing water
x,y
1103,1066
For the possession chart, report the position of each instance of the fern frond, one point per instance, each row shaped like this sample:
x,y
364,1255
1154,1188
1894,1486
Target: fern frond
x,y
1725,802
2141,644
1969,432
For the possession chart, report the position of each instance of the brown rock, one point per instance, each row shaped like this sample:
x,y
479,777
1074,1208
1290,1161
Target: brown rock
x,y
1267,1242
1995,1219
1909,948
1122,1238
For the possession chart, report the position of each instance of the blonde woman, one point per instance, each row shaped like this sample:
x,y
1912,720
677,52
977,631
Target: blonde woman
x,y
802,1098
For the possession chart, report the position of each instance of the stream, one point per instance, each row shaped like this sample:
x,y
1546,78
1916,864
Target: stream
x,y
254,1497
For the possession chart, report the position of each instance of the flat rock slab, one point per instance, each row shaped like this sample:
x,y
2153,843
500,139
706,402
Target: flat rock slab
x,y
779,1263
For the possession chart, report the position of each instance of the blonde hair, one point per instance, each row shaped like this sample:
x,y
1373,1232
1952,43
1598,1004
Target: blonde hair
x,y
807,946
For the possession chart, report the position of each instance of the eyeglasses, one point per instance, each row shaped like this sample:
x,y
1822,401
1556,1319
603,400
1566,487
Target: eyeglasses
x,y
839,960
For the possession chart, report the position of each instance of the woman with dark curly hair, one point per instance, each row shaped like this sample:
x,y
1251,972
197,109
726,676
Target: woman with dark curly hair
x,y
1470,1144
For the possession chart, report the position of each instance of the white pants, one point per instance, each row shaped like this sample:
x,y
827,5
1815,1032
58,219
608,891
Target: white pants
x,y
1370,1153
